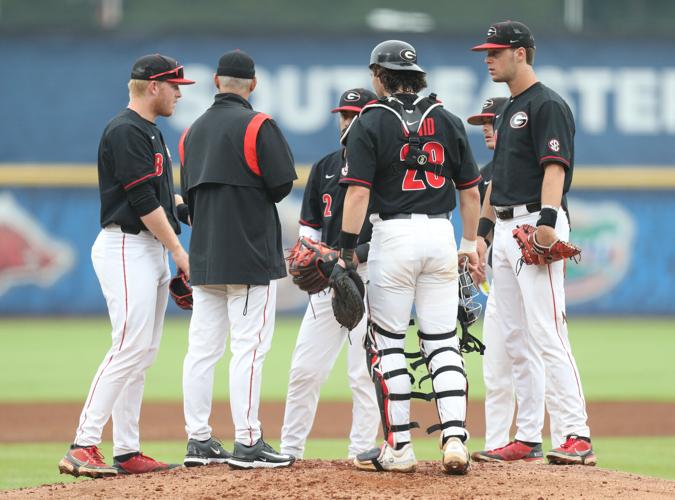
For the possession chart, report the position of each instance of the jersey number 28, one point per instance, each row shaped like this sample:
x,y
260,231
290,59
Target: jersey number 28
x,y
436,155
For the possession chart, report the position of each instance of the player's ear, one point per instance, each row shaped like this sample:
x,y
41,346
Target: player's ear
x,y
215,81
254,82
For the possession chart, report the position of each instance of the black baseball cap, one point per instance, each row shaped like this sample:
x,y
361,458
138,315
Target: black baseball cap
x,y
159,68
488,112
237,64
354,100
507,35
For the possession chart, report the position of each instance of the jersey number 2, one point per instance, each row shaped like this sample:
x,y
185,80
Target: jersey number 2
x,y
436,155
327,200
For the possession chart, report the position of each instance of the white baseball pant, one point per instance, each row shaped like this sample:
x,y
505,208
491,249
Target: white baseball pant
x,y
247,313
499,387
133,271
414,261
320,340
530,303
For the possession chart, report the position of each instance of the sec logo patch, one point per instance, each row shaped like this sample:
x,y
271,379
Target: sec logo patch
x,y
554,145
519,120
345,169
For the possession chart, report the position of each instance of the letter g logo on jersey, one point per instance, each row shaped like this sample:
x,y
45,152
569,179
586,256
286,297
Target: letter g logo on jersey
x,y
519,120
408,55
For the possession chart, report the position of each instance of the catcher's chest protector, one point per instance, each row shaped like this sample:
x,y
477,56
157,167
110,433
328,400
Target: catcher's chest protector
x,y
413,116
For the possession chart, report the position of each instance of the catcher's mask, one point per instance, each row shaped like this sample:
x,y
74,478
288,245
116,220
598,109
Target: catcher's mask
x,y
467,293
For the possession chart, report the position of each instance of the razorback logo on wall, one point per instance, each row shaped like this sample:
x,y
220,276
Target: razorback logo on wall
x,y
28,255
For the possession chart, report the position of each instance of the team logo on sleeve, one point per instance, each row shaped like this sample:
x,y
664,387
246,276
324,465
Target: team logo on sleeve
x,y
345,169
519,120
554,145
159,164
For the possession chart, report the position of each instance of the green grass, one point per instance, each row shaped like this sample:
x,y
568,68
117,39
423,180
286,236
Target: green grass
x,y
619,359
33,464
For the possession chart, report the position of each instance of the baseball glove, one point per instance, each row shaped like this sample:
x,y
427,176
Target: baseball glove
x,y
181,291
348,293
534,253
310,264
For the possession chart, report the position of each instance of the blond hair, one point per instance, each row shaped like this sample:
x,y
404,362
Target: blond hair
x,y
137,88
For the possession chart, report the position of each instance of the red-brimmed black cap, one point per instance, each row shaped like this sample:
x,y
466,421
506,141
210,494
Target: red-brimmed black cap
x,y
488,111
159,68
354,100
507,35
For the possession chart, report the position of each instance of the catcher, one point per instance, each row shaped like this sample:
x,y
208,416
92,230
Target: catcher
x,y
321,336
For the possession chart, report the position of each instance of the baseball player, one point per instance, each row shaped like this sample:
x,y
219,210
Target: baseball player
x,y
497,371
532,171
130,257
236,167
412,154
321,337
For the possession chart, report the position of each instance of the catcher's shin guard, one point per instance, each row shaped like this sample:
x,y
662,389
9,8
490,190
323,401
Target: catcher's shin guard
x,y
384,395
440,352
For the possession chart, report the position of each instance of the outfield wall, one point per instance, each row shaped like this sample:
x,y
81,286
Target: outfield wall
x,y
627,266
63,89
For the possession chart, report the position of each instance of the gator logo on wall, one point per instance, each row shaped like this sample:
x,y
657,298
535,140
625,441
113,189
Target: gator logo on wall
x,y
28,255
605,231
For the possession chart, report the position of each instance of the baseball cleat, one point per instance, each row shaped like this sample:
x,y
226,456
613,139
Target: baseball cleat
x,y
141,464
512,452
205,452
575,451
85,461
456,458
388,459
260,455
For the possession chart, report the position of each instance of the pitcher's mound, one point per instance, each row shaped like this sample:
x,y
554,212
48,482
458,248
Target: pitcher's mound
x,y
339,479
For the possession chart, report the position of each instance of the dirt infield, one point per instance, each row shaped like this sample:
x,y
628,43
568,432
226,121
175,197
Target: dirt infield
x,y
338,479
38,422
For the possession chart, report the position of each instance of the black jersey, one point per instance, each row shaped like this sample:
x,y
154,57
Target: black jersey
x,y
233,157
535,128
378,144
324,198
486,178
132,152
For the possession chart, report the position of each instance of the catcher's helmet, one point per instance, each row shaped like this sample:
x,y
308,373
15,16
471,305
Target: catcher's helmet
x,y
395,55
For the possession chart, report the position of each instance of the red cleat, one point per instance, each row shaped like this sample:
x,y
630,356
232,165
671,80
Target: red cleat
x,y
141,464
87,461
574,451
512,452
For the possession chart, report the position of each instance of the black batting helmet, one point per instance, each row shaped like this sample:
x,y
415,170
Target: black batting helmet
x,y
395,55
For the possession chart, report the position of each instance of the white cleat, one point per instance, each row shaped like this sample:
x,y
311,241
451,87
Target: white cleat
x,y
456,458
388,459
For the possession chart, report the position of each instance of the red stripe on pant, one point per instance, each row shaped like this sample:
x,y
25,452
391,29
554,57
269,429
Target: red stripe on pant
x,y
250,383
555,319
124,331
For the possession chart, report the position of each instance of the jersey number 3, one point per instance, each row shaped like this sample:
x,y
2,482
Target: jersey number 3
x,y
327,200
436,155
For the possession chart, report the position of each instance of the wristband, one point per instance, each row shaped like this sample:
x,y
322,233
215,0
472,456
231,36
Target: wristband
x,y
183,213
467,246
348,240
548,216
347,244
485,226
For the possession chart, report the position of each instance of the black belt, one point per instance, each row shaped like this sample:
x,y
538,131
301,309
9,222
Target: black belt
x,y
507,213
409,216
